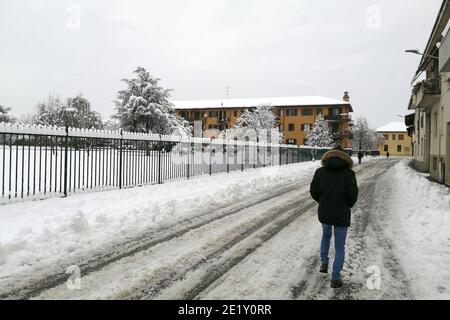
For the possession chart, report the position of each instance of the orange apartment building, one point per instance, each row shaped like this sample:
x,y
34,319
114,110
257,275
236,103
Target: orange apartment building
x,y
296,115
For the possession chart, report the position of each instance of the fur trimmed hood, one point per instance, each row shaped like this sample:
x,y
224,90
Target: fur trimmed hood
x,y
330,158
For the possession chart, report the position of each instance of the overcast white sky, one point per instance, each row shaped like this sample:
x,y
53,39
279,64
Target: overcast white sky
x,y
199,47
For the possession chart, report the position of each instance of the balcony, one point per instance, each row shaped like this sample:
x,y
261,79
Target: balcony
x,y
426,93
337,118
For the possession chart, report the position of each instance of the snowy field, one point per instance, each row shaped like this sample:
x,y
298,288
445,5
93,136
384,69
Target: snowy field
x,y
251,235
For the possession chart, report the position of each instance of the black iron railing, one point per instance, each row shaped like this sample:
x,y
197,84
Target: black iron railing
x,y
42,162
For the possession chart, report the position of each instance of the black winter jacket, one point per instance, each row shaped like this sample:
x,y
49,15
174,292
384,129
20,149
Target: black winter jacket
x,y
335,188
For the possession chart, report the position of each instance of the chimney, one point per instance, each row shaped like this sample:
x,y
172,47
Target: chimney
x,y
346,97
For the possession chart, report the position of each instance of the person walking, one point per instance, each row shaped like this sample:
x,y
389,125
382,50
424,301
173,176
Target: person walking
x,y
335,188
387,154
360,156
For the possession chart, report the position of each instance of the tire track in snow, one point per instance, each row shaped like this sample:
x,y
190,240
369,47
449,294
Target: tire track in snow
x,y
263,229
391,263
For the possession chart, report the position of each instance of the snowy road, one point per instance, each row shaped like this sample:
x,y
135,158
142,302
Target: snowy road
x,y
263,247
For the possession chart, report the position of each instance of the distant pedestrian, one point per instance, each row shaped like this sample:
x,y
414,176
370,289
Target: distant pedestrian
x,y
360,156
335,188
388,154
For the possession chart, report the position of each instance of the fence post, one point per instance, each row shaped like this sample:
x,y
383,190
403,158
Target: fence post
x,y
66,144
159,160
189,161
255,154
243,156
264,156
279,155
210,157
226,157
120,158
292,159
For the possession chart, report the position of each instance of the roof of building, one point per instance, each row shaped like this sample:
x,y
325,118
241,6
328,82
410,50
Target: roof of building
x,y
393,127
245,103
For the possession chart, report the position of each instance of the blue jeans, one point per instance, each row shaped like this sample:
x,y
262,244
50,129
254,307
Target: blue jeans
x,y
340,234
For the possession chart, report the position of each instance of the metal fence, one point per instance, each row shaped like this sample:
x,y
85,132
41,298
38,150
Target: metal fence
x,y
44,161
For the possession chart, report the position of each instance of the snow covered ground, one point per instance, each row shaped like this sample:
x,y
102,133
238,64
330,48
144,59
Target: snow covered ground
x,y
414,214
37,234
251,235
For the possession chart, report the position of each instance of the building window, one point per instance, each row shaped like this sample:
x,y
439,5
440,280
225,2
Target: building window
x,y
222,116
386,137
401,137
281,127
393,137
291,141
307,112
305,127
335,127
235,114
280,112
399,148
291,112
435,163
291,127
319,112
421,121
212,114
213,126
386,148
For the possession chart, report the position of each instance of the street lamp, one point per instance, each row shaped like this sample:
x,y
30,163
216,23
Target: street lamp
x,y
421,54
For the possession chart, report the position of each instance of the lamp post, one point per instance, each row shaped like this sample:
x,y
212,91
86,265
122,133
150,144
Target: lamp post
x,y
415,51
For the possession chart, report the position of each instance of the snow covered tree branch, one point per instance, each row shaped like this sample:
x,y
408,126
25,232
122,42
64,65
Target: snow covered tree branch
x,y
256,124
144,107
5,116
76,113
320,135
364,138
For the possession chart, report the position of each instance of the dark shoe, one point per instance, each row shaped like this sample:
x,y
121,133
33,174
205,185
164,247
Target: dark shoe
x,y
323,268
336,283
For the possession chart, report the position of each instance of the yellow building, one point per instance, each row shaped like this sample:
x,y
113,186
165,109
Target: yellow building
x,y
395,140
296,115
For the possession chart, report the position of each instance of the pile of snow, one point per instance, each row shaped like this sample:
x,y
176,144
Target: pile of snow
x,y
417,220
